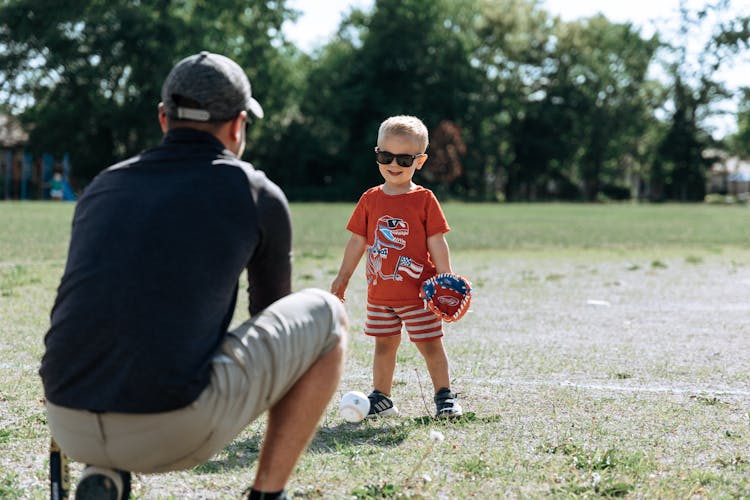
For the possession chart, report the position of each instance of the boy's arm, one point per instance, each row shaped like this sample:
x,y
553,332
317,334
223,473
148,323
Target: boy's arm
x,y
353,252
441,257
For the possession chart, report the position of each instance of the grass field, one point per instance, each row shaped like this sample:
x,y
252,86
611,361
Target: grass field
x,y
606,354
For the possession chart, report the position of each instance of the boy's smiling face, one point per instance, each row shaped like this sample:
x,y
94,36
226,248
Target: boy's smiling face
x,y
398,178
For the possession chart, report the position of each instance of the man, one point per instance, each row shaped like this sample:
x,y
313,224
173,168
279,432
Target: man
x,y
139,372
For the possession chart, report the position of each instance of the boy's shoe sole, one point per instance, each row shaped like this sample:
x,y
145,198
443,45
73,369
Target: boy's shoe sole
x,y
390,412
455,412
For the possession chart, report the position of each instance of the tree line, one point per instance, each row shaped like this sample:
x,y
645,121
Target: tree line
x,y
520,104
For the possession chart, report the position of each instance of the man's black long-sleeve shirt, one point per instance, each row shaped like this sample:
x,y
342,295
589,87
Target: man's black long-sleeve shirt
x,y
150,285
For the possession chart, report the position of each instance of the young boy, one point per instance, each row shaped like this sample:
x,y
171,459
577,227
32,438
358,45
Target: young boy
x,y
402,227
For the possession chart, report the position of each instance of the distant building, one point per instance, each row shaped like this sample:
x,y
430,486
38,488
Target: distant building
x,y
729,175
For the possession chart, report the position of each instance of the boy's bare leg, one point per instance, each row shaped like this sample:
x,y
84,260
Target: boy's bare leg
x,y
434,355
292,421
384,363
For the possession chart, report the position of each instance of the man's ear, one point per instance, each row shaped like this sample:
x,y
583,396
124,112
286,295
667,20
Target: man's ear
x,y
162,118
237,127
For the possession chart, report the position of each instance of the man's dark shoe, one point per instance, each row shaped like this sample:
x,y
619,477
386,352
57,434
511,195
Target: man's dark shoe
x,y
100,483
251,494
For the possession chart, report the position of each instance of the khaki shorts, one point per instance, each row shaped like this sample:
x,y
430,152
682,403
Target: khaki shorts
x,y
258,363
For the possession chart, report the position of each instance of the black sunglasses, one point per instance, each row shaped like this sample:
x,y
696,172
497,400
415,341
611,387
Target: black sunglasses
x,y
403,160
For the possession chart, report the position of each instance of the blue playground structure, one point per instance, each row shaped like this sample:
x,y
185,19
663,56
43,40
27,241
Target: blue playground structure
x,y
23,177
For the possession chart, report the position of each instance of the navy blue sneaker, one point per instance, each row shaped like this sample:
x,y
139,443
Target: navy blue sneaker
x,y
381,405
447,405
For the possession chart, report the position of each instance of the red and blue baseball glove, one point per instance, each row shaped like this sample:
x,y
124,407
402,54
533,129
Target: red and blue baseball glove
x,y
447,295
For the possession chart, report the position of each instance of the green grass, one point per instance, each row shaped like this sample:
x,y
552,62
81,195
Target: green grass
x,y
551,226
319,227
604,356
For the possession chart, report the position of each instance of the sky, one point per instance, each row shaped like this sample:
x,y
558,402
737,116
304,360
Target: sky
x,y
320,19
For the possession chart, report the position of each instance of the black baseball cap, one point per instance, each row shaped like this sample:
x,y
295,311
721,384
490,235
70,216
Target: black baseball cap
x,y
208,87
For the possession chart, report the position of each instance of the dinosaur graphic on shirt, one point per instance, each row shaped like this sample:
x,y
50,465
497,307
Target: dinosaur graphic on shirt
x,y
390,236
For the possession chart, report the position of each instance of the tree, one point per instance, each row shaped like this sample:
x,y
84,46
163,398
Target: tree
x,y
512,50
568,99
739,143
447,147
404,57
87,75
602,79
733,36
693,93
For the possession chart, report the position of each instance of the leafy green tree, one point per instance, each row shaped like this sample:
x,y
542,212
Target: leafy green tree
x,y
318,166
683,145
404,57
570,99
694,91
733,36
87,74
522,105
602,78
515,137
739,143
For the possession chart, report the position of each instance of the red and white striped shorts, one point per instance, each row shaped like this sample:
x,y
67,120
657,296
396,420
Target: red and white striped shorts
x,y
385,321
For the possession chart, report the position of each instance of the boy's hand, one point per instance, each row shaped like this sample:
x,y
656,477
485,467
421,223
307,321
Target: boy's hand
x,y
338,288
353,252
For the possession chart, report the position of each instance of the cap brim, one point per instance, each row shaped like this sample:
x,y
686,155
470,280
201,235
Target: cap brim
x,y
255,108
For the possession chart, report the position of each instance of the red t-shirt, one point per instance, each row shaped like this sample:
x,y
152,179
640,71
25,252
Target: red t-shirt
x,y
396,228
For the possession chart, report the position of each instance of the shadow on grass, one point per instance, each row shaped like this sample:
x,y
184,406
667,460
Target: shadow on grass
x,y
343,438
386,432
466,418
238,455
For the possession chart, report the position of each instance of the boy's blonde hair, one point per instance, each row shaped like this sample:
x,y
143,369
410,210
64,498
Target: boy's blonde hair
x,y
405,125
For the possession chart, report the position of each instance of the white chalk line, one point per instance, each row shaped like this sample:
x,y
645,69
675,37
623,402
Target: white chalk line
x,y
714,391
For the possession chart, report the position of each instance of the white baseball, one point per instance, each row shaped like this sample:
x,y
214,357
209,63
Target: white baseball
x,y
354,406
